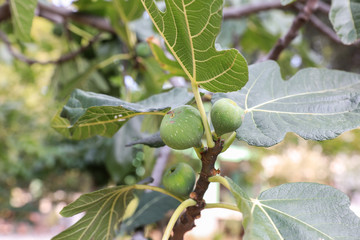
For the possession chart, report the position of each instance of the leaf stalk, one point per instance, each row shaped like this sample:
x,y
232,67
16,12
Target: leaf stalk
x,y
201,109
187,203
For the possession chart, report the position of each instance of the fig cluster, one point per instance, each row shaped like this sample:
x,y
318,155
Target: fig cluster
x,y
182,127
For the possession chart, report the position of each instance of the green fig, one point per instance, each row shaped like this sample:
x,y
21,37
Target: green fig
x,y
179,179
143,50
226,116
182,128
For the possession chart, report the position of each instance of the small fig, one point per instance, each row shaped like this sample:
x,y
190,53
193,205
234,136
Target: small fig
x,y
143,50
179,179
182,128
226,116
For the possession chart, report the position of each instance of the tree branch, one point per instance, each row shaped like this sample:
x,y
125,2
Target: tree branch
x,y
30,61
244,11
186,222
322,27
60,15
298,22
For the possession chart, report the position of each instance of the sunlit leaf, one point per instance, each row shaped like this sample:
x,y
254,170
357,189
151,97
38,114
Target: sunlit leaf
x,y
22,14
345,18
189,29
167,64
297,211
87,114
316,104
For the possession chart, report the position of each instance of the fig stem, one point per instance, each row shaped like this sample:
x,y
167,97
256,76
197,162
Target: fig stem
x,y
222,205
201,109
198,150
187,203
220,180
229,141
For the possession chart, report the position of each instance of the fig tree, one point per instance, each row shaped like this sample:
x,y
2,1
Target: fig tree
x,y
182,128
179,179
226,116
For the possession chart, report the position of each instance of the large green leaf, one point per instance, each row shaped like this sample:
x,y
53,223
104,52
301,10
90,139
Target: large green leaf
x,y
316,104
104,211
22,14
87,114
189,28
297,211
345,18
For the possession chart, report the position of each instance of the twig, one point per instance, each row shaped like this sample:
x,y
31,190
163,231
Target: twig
x,y
60,15
4,12
244,11
322,27
186,222
298,22
63,58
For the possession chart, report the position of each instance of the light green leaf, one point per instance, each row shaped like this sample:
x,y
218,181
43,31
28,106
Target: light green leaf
x,y
286,2
303,211
316,104
121,13
172,66
189,28
88,114
22,14
345,18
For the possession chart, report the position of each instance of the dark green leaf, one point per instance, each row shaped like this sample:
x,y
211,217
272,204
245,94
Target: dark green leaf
x,y
189,30
87,114
152,208
345,18
316,104
153,140
297,211
22,14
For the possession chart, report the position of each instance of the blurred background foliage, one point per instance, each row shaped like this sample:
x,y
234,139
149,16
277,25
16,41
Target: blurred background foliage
x,y
36,162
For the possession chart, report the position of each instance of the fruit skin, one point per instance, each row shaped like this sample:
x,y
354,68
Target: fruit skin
x,y
179,179
143,50
182,128
226,116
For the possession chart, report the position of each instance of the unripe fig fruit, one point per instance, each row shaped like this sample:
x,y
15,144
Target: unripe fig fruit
x,y
226,116
143,50
179,179
182,128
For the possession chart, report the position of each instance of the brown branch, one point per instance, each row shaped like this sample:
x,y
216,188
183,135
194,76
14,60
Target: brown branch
x,y
64,58
60,15
322,27
4,12
244,11
186,222
298,22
